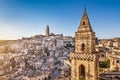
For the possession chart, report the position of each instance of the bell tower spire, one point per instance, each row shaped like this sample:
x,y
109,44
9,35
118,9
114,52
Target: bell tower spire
x,y
85,23
84,60
85,37
47,30
84,9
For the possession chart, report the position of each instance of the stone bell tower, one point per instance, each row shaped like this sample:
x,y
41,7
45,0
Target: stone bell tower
x,y
84,61
47,31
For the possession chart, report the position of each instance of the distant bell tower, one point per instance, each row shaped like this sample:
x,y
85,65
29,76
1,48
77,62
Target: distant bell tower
x,y
84,61
47,31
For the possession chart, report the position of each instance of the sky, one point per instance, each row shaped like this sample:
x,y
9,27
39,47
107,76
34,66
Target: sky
x,y
25,18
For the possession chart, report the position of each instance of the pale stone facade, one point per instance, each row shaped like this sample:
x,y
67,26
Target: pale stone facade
x,y
84,61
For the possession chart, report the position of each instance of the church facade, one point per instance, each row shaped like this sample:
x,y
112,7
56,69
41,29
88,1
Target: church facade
x,y
84,60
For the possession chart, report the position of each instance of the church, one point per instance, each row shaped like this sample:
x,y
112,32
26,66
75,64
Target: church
x,y
84,59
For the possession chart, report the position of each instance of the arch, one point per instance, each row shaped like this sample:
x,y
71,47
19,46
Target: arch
x,y
83,22
82,72
82,46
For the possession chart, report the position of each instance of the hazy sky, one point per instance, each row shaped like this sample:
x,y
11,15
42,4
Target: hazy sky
x,y
22,18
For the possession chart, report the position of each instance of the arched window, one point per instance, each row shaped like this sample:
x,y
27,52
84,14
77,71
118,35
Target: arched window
x,y
82,72
83,46
83,22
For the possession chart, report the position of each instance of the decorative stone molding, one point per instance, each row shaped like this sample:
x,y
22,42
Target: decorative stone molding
x,y
83,56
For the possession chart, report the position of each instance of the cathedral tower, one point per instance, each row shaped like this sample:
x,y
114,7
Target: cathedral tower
x,y
84,61
47,30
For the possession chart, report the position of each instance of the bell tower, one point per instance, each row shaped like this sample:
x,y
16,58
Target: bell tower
x,y
85,37
84,60
47,31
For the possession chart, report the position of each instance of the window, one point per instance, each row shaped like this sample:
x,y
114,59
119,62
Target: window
x,y
117,61
102,55
83,46
82,72
83,23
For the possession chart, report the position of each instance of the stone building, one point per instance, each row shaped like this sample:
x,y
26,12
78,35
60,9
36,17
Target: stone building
x,y
84,60
47,30
61,77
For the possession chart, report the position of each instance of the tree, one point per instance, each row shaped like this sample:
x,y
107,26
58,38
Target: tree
x,y
69,46
104,64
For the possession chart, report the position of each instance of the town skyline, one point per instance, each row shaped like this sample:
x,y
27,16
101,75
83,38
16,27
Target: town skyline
x,y
56,56
27,18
